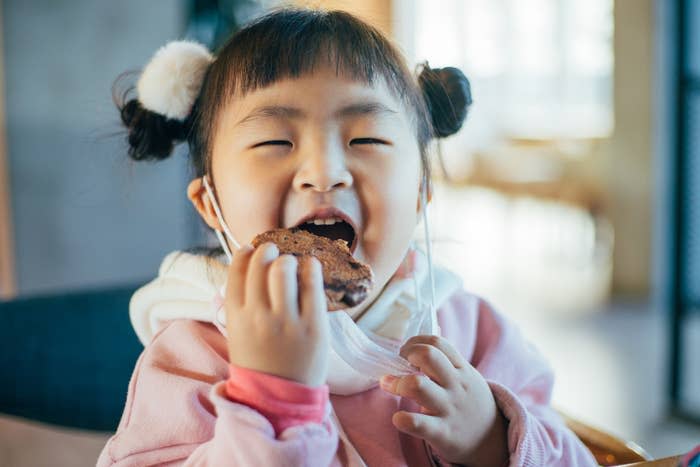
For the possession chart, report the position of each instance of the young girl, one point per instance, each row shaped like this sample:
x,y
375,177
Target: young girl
x,y
311,119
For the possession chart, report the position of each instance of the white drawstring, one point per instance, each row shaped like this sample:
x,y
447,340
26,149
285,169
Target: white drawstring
x,y
428,252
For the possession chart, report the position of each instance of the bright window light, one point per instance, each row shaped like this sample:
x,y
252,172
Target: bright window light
x,y
539,68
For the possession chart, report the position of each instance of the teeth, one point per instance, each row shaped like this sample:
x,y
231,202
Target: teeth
x,y
329,221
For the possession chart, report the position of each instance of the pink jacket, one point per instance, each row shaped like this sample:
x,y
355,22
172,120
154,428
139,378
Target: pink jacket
x,y
178,413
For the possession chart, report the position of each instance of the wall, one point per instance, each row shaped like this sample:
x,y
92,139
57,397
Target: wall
x,y
7,262
376,12
83,215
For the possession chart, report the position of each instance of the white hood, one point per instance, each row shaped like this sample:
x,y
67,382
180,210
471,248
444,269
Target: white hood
x,y
185,288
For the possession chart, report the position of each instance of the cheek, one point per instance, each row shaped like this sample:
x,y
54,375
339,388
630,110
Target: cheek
x,y
399,204
391,215
251,204
397,192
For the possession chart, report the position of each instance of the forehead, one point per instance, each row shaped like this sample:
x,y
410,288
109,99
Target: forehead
x,y
323,93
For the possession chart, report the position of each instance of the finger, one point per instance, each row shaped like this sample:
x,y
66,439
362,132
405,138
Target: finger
x,y
431,361
420,425
312,297
282,280
443,344
418,388
235,283
256,280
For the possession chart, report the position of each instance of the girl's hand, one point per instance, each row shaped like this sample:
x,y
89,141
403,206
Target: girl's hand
x,y
276,316
459,417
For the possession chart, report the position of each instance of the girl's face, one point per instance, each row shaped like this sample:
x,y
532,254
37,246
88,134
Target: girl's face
x,y
320,148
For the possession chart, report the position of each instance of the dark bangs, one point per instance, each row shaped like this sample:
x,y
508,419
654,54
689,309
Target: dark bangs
x,y
289,43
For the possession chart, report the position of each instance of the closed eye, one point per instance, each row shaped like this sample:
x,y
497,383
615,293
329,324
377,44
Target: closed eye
x,y
277,142
368,141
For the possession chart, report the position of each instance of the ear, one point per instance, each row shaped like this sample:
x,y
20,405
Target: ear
x,y
202,203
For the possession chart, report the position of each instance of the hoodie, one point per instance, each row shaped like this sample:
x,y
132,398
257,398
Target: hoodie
x,y
187,406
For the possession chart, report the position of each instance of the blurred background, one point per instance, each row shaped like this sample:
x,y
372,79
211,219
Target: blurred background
x,y
570,199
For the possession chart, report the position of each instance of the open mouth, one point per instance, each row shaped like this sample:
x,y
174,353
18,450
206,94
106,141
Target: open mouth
x,y
333,228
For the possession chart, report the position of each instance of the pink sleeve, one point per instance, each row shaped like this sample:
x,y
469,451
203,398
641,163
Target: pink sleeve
x,y
178,412
521,382
283,402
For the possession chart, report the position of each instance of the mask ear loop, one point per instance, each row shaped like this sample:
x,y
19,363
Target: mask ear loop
x,y
222,222
428,252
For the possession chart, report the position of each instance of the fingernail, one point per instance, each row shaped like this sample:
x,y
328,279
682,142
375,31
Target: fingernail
x,y
386,381
271,251
289,259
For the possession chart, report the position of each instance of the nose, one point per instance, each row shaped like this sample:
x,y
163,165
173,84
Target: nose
x,y
323,169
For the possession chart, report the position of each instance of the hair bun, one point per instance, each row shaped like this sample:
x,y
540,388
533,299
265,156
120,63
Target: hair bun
x,y
151,136
448,96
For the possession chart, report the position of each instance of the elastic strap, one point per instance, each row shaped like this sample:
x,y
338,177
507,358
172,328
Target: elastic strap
x,y
222,222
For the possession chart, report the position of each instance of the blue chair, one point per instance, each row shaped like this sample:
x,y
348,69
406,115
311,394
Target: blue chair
x,y
67,359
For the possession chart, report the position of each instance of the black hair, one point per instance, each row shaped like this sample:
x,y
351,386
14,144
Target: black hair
x,y
288,43
448,96
151,136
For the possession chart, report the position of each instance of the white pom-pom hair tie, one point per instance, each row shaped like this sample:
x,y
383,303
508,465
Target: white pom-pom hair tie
x,y
173,78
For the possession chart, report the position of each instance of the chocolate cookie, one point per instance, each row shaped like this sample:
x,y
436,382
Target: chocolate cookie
x,y
346,281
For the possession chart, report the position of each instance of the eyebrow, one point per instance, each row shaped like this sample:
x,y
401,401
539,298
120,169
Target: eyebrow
x,y
370,108
365,108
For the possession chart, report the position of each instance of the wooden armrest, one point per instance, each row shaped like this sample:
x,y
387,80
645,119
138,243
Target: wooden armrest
x,y
665,462
607,449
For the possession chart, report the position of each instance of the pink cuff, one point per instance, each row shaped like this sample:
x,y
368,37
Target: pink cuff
x,y
519,445
283,402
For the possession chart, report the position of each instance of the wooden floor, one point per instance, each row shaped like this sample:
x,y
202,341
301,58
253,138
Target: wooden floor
x,y
26,444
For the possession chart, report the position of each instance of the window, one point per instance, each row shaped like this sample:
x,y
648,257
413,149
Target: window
x,y
539,68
